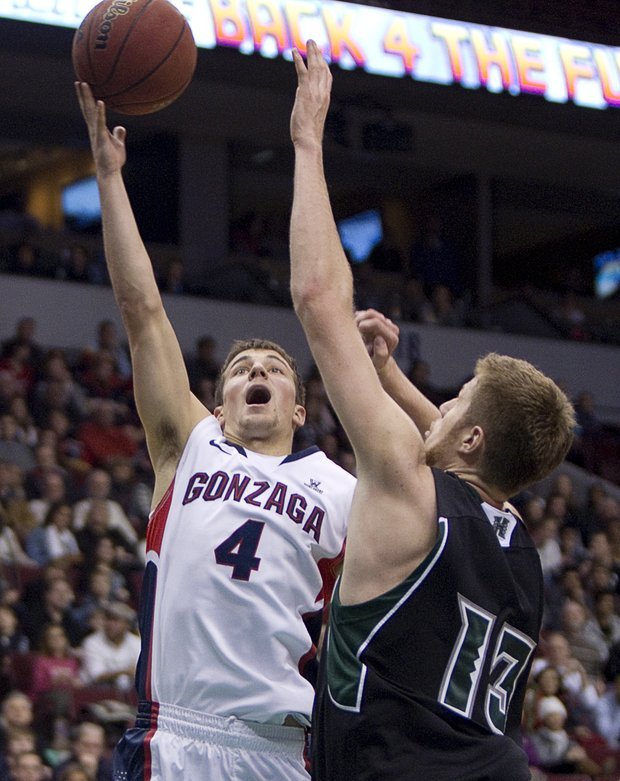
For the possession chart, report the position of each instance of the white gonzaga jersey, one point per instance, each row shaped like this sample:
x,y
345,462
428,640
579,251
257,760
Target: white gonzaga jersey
x,y
235,554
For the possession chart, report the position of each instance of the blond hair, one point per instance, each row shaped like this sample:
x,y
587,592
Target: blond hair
x,y
528,422
239,346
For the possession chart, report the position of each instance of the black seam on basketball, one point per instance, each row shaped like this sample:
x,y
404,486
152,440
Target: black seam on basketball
x,y
152,71
121,48
171,96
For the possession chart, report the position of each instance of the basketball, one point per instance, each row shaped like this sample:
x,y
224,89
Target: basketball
x,y
137,55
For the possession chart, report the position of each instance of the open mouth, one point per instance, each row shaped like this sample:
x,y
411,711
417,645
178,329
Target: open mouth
x,y
258,395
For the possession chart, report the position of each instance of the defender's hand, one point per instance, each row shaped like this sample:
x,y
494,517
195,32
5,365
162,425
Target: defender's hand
x,y
314,82
380,335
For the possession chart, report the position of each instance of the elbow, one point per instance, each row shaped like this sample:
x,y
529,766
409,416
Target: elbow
x,y
138,310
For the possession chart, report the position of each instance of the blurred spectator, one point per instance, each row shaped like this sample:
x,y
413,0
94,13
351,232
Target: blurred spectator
x,y
607,715
98,488
132,493
77,265
25,258
434,261
25,331
585,642
108,341
88,749
557,752
420,375
109,656
563,585
581,693
17,368
54,542
587,433
16,713
102,379
26,430
547,683
11,449
28,766
545,536
55,607
203,365
102,436
53,489
57,390
55,666
46,463
574,554
11,552
102,588
605,623
70,450
73,772
14,509
445,310
172,280
415,305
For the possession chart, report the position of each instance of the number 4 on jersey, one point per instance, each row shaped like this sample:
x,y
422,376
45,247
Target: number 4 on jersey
x,y
239,550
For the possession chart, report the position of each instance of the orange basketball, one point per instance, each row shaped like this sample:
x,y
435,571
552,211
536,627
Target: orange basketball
x,y
137,55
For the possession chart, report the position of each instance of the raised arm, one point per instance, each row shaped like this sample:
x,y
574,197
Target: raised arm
x,y
392,523
380,336
167,408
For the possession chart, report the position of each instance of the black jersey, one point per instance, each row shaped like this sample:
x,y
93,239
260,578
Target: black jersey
x,y
426,682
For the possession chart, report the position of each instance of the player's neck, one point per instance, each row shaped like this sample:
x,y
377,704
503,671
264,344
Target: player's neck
x,y
267,446
489,494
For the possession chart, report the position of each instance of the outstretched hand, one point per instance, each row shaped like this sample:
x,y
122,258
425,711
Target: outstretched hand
x,y
380,335
108,147
314,82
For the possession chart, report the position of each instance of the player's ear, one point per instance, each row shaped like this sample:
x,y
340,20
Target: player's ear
x,y
471,440
299,416
219,414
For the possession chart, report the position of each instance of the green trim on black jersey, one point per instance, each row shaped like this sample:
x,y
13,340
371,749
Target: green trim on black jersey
x,y
352,627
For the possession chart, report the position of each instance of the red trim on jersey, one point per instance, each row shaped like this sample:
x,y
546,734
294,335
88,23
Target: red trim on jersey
x,y
329,569
157,522
148,759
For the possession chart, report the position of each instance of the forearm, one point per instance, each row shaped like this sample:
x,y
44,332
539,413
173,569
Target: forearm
x,y
407,396
129,265
319,266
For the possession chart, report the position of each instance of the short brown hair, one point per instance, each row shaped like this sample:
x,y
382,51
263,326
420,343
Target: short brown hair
x,y
528,422
239,346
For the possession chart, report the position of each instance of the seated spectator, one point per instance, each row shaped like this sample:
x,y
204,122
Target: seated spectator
x,y
14,509
77,265
204,364
29,766
132,492
607,714
16,713
98,488
574,553
580,692
88,749
11,552
46,462
11,449
109,657
108,340
17,367
12,641
546,683
56,607
26,259
103,437
54,542
557,752
605,622
103,381
73,772
55,666
586,643
70,450
102,588
53,489
25,331
26,430
546,539
567,584
57,390
173,280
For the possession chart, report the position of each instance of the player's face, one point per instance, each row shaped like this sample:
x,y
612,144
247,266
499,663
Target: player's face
x,y
443,437
259,394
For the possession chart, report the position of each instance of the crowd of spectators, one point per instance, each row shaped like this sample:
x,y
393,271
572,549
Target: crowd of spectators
x,y
425,284
75,494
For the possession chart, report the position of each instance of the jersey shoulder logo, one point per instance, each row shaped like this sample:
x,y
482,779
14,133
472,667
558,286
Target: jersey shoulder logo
x,y
314,485
503,524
